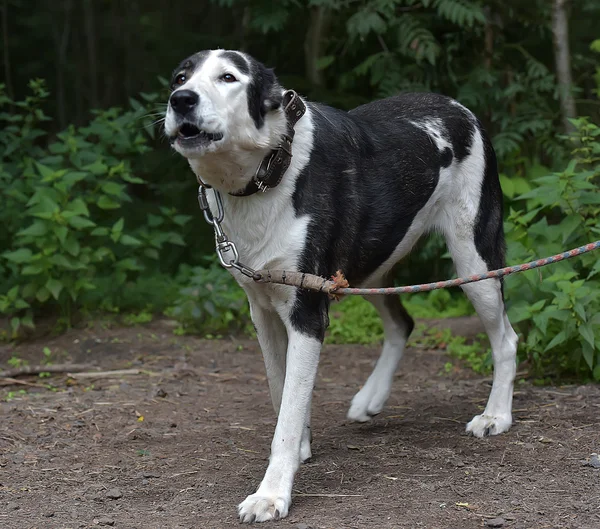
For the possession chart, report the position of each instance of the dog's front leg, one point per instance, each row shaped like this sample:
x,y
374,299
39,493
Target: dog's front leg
x,y
273,498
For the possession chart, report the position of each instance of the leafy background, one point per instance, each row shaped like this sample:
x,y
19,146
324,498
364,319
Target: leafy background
x,y
100,217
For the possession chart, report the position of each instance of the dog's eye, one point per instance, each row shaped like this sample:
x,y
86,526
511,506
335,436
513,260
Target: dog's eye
x,y
180,79
228,78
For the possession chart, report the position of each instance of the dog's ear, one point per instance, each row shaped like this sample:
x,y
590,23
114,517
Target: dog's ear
x,y
264,94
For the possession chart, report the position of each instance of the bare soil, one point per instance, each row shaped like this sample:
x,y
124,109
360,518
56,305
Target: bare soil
x,y
182,443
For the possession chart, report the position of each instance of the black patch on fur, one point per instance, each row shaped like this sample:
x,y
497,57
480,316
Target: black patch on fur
x,y
189,66
399,314
238,60
310,314
489,229
446,157
264,93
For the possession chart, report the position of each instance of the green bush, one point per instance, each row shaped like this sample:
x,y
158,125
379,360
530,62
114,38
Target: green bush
x,y
211,302
557,309
65,208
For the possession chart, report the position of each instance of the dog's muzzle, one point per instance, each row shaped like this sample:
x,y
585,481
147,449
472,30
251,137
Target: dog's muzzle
x,y
184,103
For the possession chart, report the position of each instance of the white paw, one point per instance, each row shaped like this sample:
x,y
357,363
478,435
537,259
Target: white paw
x,y
484,425
369,401
262,507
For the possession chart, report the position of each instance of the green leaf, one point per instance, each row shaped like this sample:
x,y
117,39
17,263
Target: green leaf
x,y
105,202
508,187
79,207
588,354
118,226
97,168
45,172
42,295
587,332
181,220
561,337
55,287
37,229
32,270
61,232
80,222
20,256
69,264
128,240
72,246
112,188
154,220
325,61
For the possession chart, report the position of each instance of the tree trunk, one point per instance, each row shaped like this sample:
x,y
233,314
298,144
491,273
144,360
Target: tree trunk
x,y
90,37
312,44
562,56
61,40
6,53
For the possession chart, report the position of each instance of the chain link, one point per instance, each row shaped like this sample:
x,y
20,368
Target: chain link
x,y
222,243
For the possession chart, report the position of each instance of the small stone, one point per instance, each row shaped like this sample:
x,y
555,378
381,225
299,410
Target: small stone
x,y
114,494
49,514
149,475
159,392
105,520
12,506
495,522
595,461
302,526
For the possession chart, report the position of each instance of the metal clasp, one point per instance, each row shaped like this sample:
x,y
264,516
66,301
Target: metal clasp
x,y
222,243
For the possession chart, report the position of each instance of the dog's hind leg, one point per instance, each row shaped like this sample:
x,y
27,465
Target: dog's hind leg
x,y
486,297
397,325
475,238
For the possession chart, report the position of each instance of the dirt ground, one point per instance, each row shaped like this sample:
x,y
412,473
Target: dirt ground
x,y
82,456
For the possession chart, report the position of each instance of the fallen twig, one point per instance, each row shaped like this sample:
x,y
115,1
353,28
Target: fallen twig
x,y
106,374
8,381
36,370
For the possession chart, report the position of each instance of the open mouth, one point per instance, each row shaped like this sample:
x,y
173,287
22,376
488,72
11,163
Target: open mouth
x,y
189,132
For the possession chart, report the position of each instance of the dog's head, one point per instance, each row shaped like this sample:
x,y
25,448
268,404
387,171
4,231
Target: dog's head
x,y
222,101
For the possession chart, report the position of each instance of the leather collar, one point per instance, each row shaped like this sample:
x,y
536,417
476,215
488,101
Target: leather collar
x,y
272,168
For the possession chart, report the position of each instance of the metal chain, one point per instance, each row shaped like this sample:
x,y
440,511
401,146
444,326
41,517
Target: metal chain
x,y
222,243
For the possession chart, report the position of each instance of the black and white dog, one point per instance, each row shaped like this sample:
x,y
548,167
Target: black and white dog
x,y
361,188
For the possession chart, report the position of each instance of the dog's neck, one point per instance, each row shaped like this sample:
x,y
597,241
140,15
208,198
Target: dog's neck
x,y
231,169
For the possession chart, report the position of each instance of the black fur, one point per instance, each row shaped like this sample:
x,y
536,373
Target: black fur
x,y
264,93
189,66
489,230
238,60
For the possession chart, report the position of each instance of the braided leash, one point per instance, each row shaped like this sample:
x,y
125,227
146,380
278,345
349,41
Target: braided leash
x,y
339,286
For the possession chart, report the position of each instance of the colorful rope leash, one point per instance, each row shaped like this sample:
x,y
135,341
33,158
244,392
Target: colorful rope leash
x,y
339,286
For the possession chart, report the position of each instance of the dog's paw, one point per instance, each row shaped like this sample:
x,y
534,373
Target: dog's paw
x,y
368,402
484,425
262,507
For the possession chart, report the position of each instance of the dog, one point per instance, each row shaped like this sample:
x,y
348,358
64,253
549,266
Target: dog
x,y
310,188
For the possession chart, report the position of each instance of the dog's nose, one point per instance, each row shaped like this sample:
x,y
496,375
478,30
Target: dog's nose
x,y
183,101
